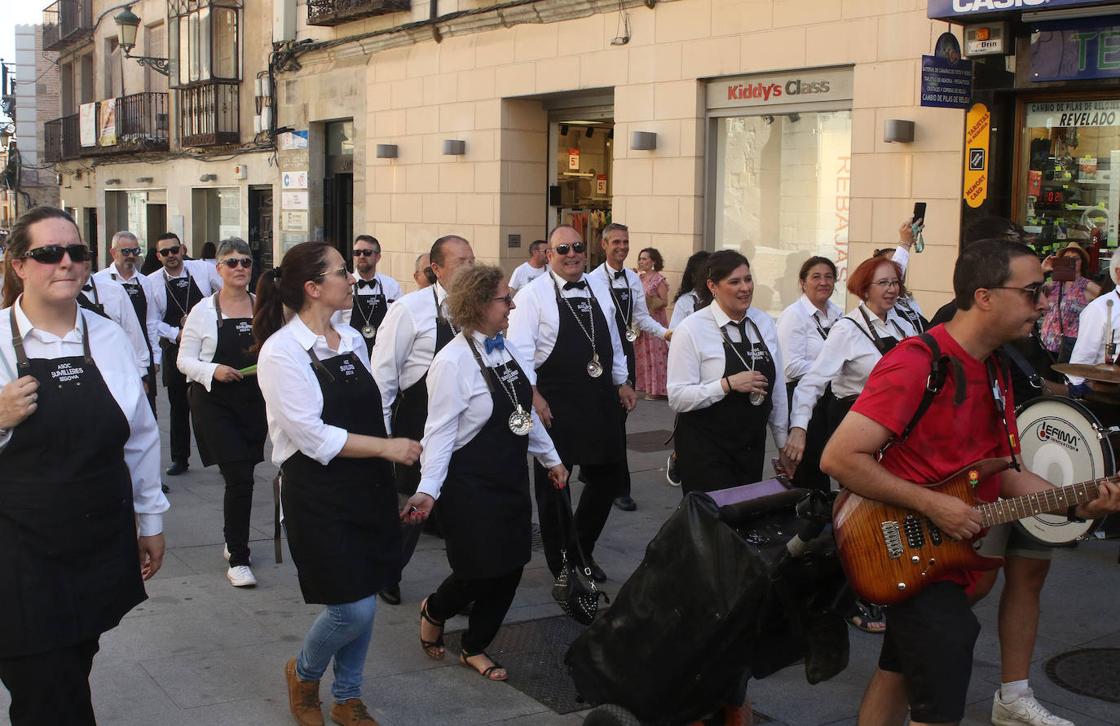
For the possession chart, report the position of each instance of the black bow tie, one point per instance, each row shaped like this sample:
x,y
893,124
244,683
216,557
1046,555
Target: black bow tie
x,y
620,274
367,283
577,285
87,287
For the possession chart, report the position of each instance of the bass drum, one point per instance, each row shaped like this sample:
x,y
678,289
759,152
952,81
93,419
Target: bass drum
x,y
1065,443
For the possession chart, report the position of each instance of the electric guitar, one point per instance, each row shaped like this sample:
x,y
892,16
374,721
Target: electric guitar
x,y
890,553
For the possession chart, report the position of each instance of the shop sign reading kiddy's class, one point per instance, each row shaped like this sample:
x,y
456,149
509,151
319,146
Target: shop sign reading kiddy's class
x,y
960,9
781,89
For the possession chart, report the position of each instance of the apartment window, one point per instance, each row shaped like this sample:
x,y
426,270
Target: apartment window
x,y
86,81
114,69
155,46
203,37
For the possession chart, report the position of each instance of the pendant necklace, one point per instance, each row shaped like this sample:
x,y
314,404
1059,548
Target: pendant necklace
x,y
594,367
369,332
631,333
757,398
167,288
520,421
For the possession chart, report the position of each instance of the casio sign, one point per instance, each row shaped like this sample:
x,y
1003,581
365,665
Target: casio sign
x,y
980,6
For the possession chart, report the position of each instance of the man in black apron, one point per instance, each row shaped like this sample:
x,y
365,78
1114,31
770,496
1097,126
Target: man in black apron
x,y
126,252
567,319
177,287
373,291
415,329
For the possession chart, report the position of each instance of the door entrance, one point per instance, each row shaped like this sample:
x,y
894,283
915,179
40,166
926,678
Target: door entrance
x,y
260,230
338,211
580,166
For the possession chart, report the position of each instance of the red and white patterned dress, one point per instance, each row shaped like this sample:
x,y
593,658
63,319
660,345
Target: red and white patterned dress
x,y
650,352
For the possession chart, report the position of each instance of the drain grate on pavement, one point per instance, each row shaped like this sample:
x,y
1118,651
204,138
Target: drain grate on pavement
x,y
1093,672
649,441
532,651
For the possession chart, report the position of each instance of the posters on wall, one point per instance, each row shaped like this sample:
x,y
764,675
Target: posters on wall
x,y
87,124
978,125
107,124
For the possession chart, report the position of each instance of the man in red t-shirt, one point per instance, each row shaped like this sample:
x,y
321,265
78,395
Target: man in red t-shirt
x,y
926,659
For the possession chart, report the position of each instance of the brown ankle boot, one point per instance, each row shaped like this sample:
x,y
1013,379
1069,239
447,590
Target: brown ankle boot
x,y
303,697
352,712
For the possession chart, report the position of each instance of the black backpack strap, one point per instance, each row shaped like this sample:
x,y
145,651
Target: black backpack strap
x,y
1014,355
938,371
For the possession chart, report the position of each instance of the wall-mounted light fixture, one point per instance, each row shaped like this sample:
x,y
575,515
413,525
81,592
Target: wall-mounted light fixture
x,y
387,151
127,23
589,131
563,129
144,180
454,147
208,177
643,141
112,181
898,130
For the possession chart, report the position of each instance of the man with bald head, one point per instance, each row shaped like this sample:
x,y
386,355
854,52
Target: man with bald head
x,y
414,330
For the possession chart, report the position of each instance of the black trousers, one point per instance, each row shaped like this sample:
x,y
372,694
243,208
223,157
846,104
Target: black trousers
x,y
604,484
237,508
624,473
491,596
51,687
176,384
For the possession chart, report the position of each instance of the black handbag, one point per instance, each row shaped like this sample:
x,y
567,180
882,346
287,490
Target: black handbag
x,y
574,590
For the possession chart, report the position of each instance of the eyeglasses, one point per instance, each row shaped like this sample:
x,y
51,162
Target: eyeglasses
x,y
233,262
564,248
130,251
53,254
507,299
366,253
340,272
1033,292
170,251
887,284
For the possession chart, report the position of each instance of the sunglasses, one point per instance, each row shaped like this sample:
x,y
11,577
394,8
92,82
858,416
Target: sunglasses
x,y
366,253
53,254
170,251
564,248
340,272
130,251
507,299
233,262
1033,292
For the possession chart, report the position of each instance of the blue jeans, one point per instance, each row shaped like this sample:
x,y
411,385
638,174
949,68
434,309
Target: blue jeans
x,y
342,631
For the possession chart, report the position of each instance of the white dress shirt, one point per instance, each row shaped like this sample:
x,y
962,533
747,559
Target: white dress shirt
x,y
151,325
1093,331
200,342
535,322
697,357
684,306
800,333
460,404
205,276
292,396
117,305
524,274
386,286
845,360
639,308
114,359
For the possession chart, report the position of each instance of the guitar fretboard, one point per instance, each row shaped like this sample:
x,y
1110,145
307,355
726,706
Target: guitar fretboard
x,y
1058,499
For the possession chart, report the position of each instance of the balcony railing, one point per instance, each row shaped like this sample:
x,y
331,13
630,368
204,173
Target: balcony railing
x,y
66,22
209,114
336,12
139,123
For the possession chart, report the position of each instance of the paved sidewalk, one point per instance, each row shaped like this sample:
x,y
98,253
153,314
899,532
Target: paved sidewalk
x,y
203,653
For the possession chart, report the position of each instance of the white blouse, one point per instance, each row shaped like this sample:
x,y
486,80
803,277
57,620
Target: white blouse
x,y
684,306
697,358
151,325
115,361
802,330
459,404
292,396
1093,329
639,307
845,360
113,298
200,341
206,278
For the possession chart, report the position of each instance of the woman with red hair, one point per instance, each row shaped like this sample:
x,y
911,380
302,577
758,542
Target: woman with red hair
x,y
855,344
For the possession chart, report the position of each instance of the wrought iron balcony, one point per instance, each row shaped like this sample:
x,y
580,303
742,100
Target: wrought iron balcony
x,y
138,123
209,114
336,12
66,22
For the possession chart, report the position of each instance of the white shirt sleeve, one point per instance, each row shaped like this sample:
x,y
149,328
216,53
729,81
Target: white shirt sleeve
x,y
824,369
392,288
390,351
196,351
792,329
524,325
141,455
902,257
125,315
684,306
1088,349
779,411
687,391
449,394
281,375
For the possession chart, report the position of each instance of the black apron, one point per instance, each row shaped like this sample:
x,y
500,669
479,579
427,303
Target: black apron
x,y
623,318
369,311
139,303
95,305
68,553
181,295
724,444
342,519
839,407
229,419
410,409
484,508
587,417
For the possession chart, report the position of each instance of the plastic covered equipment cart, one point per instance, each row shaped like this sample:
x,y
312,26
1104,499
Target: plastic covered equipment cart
x,y
740,582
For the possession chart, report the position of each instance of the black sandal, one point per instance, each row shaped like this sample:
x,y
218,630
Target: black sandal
x,y
430,646
485,673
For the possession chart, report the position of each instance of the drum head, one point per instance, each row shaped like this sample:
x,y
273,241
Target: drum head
x,y
1061,442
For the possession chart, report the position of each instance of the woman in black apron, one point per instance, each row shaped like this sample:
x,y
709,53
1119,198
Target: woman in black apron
x,y
339,502
725,382
227,409
79,476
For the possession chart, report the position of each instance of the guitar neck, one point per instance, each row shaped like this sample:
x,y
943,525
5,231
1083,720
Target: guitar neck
x,y
1058,499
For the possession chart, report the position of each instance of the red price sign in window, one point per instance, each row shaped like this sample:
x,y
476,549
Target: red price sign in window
x,y
1053,196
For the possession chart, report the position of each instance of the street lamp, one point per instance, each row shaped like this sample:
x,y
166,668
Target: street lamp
x,y
127,23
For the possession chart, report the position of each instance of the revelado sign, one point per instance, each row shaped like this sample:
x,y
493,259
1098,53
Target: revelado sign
x,y
830,84
1073,113
958,9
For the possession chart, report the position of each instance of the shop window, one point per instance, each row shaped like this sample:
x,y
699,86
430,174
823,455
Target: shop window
x,y
781,189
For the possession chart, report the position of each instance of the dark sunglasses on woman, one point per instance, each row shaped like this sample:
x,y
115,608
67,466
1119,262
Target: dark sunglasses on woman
x,y
233,262
52,254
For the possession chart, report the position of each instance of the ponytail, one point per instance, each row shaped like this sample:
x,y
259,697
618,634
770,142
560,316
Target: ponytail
x,y
282,288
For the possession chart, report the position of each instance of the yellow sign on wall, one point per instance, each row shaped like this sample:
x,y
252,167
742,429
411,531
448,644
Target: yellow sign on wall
x,y
978,124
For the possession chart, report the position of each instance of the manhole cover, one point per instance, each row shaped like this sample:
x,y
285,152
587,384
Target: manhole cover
x,y
1091,672
649,441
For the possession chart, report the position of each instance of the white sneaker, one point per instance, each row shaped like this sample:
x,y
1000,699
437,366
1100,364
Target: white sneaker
x,y
1024,710
241,576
